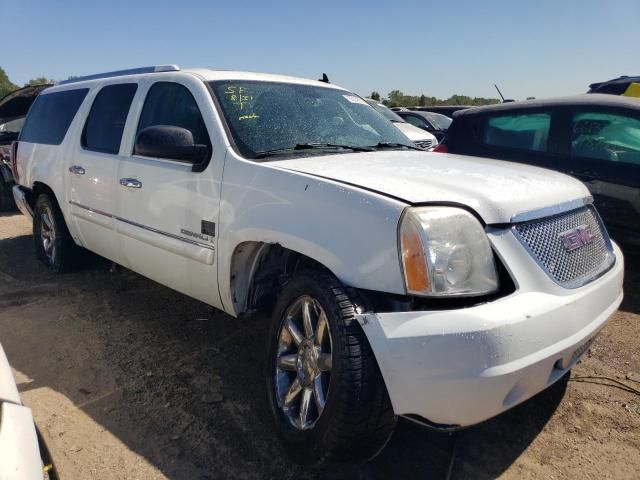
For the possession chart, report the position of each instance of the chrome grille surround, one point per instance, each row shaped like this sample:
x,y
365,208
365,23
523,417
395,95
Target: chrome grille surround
x,y
542,238
424,143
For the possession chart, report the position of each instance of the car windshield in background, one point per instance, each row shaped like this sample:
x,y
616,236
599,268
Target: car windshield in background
x,y
273,118
441,122
387,112
13,126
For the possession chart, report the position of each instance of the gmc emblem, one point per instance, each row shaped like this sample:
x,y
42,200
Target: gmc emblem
x,y
576,238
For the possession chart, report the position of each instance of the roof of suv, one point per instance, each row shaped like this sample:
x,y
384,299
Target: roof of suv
x,y
204,74
583,99
212,75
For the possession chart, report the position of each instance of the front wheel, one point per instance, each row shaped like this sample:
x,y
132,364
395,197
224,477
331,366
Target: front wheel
x,y
325,390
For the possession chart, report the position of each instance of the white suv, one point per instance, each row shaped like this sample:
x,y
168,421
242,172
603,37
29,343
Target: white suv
x,y
443,288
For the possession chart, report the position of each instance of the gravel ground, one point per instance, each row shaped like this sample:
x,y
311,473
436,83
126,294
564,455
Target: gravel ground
x,y
128,379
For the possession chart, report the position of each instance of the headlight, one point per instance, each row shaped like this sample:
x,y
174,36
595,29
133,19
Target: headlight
x,y
445,251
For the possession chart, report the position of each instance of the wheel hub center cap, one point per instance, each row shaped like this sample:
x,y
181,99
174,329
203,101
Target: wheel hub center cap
x,y
307,363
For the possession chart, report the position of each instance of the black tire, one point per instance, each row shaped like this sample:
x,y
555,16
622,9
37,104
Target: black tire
x,y
64,254
357,419
6,196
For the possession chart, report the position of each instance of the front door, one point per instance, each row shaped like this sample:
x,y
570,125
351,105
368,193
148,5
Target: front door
x,y
168,210
605,154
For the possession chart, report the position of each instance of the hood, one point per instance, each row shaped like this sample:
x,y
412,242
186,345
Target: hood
x,y
17,103
414,133
495,189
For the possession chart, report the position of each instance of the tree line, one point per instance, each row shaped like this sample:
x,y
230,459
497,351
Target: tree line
x,y
396,98
7,86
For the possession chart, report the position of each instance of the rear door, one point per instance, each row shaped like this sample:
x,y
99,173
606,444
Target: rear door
x,y
604,148
91,167
168,210
524,136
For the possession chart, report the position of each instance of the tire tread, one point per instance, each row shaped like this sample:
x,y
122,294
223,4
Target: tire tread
x,y
363,419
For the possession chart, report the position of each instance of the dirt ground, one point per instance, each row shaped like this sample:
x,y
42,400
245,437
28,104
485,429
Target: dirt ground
x,y
130,380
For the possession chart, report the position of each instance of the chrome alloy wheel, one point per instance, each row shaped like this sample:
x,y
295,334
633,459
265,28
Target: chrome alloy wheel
x,y
303,362
48,233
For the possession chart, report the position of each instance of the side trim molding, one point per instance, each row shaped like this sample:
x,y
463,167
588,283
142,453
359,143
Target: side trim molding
x,y
144,227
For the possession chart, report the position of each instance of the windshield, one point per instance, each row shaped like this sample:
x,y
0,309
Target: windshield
x,y
14,126
267,118
387,112
441,122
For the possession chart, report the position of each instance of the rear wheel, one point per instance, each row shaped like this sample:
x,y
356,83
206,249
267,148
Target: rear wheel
x,y
6,196
325,390
53,243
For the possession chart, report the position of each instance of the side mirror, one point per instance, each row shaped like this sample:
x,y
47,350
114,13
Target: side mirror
x,y
174,143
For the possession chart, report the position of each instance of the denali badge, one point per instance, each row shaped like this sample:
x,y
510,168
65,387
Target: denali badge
x,y
576,237
195,235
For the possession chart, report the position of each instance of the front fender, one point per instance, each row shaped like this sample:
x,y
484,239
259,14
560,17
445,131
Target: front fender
x,y
352,232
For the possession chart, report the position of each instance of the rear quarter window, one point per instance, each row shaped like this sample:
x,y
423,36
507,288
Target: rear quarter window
x,y
522,131
50,116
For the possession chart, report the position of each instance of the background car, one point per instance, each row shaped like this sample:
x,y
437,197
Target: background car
x,y
595,138
447,110
615,86
434,123
418,136
13,110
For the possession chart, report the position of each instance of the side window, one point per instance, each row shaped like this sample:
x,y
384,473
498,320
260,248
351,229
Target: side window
x,y
172,104
606,136
105,123
522,131
414,120
50,116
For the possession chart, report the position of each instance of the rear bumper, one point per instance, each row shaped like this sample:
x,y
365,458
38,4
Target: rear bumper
x,y
19,451
456,368
20,197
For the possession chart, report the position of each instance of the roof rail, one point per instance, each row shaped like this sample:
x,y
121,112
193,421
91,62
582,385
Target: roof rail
x,y
120,73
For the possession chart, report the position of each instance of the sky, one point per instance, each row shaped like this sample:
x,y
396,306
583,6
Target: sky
x,y
536,48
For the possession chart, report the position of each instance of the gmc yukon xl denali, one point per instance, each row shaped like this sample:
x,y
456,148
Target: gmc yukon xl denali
x,y
442,288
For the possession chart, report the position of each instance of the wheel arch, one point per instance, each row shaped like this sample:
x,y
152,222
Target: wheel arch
x,y
259,270
39,188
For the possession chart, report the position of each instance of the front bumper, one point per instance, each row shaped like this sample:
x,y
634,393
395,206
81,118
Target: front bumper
x,y
456,368
20,197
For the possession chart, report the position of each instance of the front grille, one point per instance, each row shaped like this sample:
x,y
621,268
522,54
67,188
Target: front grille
x,y
424,143
555,243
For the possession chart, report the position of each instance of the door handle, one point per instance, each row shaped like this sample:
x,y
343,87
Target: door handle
x,y
76,170
130,183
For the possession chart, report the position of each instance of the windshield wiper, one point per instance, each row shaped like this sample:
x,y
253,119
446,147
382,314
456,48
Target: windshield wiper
x,y
312,146
394,145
